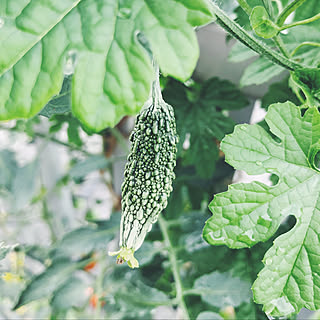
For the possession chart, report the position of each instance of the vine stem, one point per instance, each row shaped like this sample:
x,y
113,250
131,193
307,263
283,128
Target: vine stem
x,y
291,7
306,43
239,33
175,267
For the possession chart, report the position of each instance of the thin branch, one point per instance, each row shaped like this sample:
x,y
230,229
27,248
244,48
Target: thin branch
x,y
306,43
175,267
50,138
302,22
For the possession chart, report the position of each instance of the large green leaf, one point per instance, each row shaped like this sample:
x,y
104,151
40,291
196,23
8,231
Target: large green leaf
x,y
98,42
249,213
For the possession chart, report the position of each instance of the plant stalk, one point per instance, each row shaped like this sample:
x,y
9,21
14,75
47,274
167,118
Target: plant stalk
x,y
279,42
175,267
245,6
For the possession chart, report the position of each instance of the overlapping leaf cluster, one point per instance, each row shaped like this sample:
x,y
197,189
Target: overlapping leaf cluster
x,y
98,41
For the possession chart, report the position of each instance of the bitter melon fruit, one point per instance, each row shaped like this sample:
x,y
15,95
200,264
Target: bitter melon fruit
x,y
149,173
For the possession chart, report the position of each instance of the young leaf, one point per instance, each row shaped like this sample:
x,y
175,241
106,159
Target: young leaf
x,y
261,23
98,43
249,213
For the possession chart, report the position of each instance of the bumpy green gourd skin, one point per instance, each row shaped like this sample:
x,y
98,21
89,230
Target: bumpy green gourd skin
x,y
149,171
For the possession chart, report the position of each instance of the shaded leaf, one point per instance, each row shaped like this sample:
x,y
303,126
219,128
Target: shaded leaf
x,y
60,103
208,315
259,72
239,53
139,294
8,167
278,92
198,114
71,294
222,290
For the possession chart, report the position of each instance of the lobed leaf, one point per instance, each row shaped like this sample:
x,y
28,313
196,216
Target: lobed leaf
x,y
249,213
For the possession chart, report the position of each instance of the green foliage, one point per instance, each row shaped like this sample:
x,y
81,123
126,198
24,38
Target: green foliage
x,y
249,213
307,10
72,294
98,43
